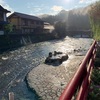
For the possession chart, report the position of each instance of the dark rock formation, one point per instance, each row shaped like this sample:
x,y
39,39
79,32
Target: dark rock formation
x,y
56,58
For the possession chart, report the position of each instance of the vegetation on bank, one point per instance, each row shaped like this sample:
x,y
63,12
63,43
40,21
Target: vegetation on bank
x,y
8,28
95,19
94,93
60,28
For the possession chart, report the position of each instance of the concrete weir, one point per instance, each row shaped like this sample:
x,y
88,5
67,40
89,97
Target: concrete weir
x,y
49,81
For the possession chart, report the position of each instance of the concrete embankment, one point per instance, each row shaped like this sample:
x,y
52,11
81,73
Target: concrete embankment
x,y
49,81
11,41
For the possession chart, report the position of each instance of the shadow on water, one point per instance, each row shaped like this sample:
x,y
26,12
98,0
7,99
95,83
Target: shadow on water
x,y
36,96
56,64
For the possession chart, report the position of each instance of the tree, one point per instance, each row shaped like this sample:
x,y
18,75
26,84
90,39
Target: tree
x,y
95,11
95,19
60,28
8,28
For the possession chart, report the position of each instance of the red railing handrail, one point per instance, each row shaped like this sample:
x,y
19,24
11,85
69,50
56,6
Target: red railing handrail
x,y
75,81
83,92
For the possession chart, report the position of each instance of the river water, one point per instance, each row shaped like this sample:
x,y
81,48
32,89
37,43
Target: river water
x,y
15,65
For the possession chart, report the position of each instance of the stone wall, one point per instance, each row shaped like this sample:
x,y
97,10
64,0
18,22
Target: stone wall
x,y
12,41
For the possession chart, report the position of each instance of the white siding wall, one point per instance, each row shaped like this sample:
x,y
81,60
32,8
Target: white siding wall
x,y
4,16
1,32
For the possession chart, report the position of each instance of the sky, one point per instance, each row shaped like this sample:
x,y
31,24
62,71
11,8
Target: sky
x,y
39,7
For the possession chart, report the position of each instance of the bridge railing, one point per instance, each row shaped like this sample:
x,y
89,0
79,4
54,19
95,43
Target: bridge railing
x,y
78,86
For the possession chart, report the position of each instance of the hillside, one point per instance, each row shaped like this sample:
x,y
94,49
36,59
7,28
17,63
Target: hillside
x,y
76,19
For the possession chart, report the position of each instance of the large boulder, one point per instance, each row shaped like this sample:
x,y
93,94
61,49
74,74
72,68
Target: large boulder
x,y
56,58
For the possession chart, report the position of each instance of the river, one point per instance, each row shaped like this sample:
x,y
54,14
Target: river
x,y
14,65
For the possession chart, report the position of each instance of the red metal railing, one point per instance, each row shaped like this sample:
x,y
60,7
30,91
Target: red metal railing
x,y
81,79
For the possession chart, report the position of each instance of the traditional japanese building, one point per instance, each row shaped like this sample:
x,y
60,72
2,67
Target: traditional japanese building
x,y
48,28
3,19
24,23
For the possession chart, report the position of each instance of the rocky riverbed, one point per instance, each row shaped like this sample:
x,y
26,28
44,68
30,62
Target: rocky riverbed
x,y
49,81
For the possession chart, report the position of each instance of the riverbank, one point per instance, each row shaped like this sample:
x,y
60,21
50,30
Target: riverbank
x,y
49,81
13,41
9,42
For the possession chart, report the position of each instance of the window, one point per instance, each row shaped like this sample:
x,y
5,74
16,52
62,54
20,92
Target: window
x,y
25,22
41,23
33,22
1,16
37,22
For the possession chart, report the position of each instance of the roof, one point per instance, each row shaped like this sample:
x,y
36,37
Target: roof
x,y
2,9
26,16
46,23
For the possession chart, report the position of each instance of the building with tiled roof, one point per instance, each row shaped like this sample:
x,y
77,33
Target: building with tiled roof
x,y
24,23
3,19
